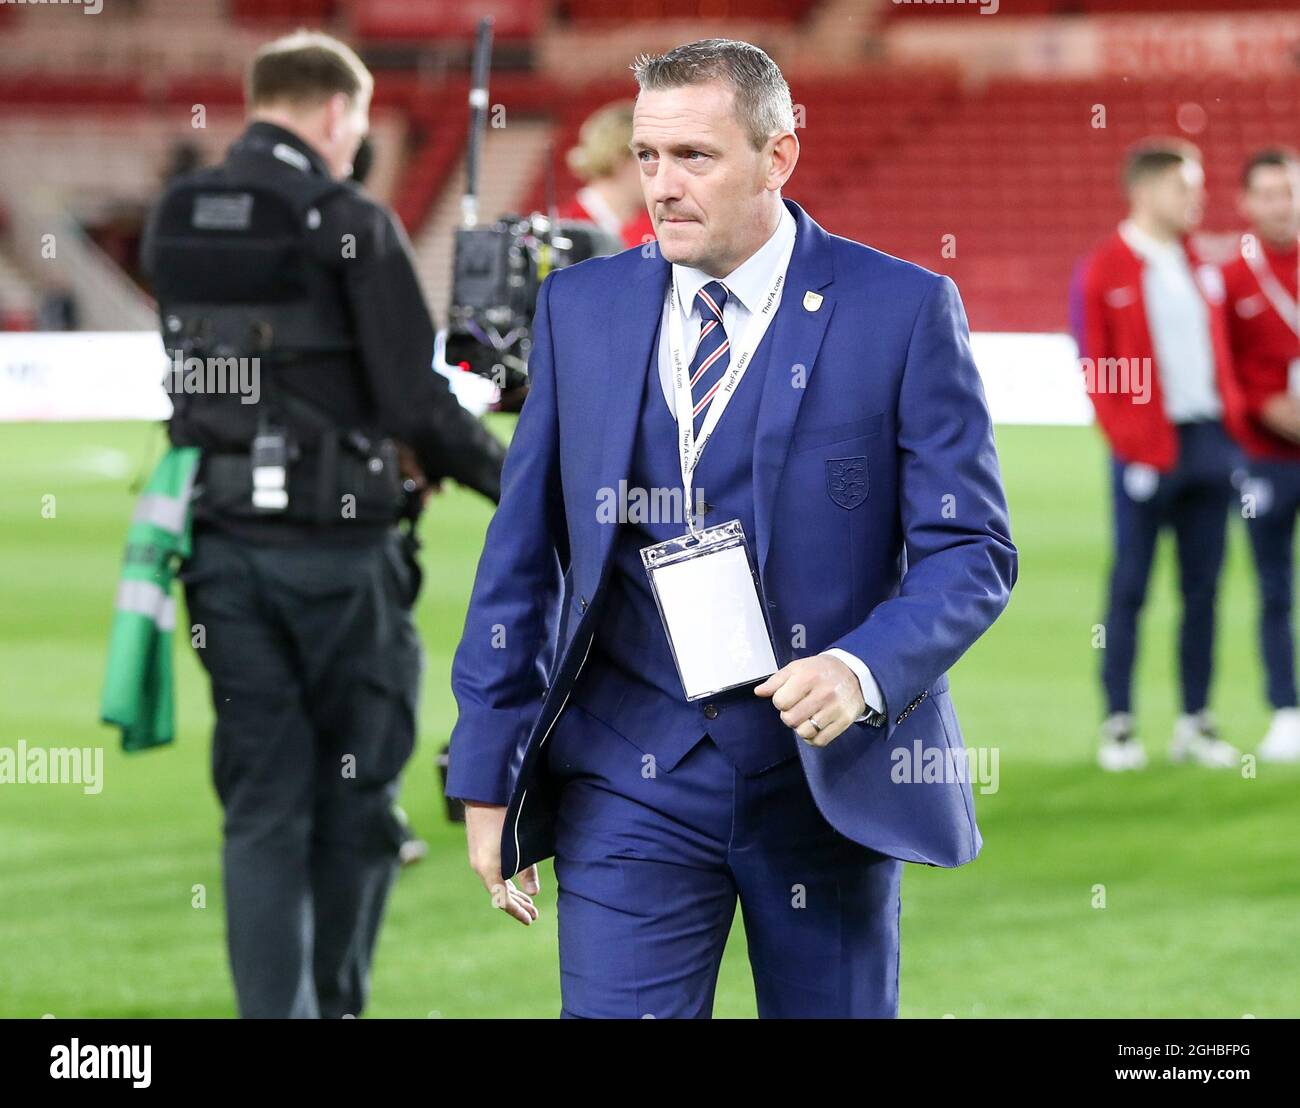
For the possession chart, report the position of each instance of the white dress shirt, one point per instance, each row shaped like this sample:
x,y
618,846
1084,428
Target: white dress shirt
x,y
1180,327
746,285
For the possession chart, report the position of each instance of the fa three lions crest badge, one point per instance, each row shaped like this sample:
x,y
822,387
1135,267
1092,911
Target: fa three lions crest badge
x,y
846,480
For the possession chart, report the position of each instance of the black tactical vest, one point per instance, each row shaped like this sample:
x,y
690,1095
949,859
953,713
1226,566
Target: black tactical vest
x,y
241,294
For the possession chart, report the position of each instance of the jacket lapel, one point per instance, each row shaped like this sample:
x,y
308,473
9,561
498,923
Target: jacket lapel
x,y
632,327
796,337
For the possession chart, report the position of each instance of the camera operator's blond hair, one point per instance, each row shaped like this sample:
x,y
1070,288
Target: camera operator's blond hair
x,y
603,161
602,142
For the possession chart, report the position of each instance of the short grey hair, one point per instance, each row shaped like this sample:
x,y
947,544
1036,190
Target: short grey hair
x,y
763,103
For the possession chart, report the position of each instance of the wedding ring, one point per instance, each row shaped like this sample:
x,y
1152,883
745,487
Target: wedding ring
x,y
813,721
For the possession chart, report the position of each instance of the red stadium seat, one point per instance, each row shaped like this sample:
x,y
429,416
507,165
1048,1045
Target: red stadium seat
x,y
310,12
920,8
1018,176
623,11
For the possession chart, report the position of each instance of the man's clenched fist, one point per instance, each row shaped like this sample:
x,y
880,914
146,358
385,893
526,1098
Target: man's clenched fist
x,y
818,697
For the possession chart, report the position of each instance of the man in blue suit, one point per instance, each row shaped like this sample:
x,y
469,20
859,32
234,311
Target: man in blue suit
x,y
856,459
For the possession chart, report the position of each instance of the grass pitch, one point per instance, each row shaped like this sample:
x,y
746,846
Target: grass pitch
x,y
1200,870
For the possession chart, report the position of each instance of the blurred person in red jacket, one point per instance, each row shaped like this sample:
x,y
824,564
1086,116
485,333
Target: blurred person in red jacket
x,y
611,194
1153,344
1264,328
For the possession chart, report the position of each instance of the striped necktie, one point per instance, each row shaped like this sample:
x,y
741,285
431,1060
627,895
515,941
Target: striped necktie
x,y
709,365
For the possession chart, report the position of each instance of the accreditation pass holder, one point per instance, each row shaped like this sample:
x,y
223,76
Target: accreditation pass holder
x,y
704,582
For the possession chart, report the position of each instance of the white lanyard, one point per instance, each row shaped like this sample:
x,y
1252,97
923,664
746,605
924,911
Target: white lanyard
x,y
689,450
1283,303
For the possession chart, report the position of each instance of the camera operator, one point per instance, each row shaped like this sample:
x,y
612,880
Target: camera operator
x,y
301,581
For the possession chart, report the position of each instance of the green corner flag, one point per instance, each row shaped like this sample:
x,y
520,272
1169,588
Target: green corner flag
x,y
138,684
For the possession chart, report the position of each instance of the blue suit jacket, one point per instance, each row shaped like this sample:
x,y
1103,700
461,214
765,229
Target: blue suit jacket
x,y
881,528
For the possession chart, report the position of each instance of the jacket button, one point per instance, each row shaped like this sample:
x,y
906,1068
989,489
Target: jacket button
x,y
582,603
710,712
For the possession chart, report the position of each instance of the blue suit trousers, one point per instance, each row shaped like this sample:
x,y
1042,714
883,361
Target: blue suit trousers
x,y
1194,502
650,866
1276,485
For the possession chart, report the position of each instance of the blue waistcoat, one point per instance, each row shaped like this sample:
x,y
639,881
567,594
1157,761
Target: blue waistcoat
x,y
629,680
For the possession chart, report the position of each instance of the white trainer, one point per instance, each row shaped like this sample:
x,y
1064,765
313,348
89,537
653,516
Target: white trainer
x,y
1282,743
1196,739
1119,750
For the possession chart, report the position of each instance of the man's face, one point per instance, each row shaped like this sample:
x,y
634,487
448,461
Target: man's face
x,y
1176,197
703,181
1271,201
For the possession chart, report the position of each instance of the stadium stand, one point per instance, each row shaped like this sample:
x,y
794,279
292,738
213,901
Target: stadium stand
x,y
953,9
1024,177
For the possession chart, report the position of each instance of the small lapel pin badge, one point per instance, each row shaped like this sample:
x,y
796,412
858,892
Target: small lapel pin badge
x,y
812,300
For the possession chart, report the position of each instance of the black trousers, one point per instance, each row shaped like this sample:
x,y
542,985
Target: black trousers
x,y
315,670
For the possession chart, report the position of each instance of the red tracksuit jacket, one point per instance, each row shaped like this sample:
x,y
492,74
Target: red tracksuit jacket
x,y
1109,319
1263,346
634,232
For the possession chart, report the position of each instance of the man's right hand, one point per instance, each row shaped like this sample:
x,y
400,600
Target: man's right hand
x,y
483,826
1281,414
